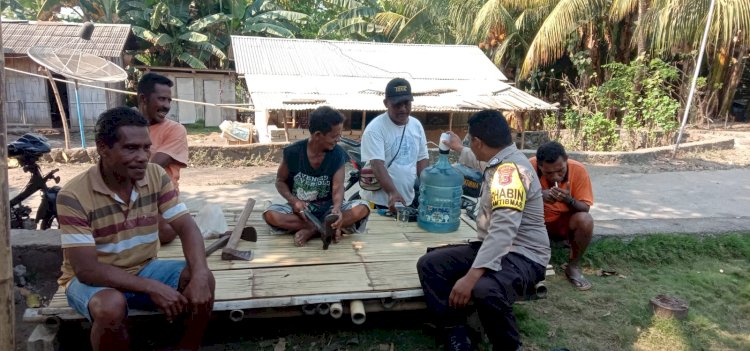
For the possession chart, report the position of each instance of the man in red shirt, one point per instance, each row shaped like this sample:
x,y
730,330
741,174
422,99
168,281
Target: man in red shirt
x,y
567,194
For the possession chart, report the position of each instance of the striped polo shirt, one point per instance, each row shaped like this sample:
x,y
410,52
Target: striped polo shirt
x,y
125,234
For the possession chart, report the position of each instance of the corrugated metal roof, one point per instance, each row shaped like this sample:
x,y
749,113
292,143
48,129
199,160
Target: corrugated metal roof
x,y
107,40
294,74
327,58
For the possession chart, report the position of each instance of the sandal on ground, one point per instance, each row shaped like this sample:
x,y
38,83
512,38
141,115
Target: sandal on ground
x,y
579,282
328,232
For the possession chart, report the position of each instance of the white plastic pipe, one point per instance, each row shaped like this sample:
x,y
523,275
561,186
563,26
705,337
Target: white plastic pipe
x,y
357,309
324,308
236,315
309,309
388,303
541,290
337,310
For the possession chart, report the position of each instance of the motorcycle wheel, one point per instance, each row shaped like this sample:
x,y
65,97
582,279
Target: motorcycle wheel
x,y
49,222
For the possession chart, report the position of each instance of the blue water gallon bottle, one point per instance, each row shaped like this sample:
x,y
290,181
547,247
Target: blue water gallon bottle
x,y
440,195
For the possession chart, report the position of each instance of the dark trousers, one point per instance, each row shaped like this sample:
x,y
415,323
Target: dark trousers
x,y
493,295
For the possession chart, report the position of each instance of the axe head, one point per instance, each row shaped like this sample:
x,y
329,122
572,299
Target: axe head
x,y
229,254
249,234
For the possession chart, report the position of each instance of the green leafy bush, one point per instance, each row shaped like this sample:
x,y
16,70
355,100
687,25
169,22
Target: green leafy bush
x,y
637,98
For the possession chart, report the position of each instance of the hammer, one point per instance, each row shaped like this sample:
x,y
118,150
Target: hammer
x,y
248,234
230,252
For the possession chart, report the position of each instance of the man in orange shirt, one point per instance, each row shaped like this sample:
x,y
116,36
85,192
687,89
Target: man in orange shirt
x,y
169,147
567,194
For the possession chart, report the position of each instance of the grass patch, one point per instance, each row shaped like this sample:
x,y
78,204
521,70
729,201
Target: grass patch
x,y
199,127
711,273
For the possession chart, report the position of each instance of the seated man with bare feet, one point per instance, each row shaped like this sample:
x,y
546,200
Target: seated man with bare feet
x,y
311,179
567,193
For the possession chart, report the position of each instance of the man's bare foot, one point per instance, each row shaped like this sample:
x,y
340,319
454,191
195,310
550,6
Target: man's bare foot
x,y
302,236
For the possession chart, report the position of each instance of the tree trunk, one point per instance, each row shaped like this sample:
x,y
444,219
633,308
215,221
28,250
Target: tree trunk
x,y
735,75
642,7
7,313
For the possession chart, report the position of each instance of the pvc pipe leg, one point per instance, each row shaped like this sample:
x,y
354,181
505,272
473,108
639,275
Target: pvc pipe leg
x,y
357,309
337,310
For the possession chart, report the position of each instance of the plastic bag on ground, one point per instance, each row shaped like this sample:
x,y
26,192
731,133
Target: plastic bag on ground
x,y
211,221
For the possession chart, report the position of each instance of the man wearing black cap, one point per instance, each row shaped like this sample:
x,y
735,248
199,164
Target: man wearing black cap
x,y
395,146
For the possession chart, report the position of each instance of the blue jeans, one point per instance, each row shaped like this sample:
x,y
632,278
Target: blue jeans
x,y
165,271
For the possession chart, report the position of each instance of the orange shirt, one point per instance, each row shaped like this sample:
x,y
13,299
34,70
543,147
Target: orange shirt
x,y
578,183
170,137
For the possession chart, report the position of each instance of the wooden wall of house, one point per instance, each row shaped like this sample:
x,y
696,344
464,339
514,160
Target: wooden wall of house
x,y
26,96
204,87
93,103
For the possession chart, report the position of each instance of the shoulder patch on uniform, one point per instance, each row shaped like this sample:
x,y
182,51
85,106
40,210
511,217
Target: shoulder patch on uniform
x,y
507,189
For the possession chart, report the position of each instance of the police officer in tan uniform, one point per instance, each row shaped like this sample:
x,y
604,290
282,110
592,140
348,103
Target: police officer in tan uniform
x,y
512,249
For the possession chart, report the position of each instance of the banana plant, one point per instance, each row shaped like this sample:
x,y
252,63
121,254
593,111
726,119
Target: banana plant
x,y
263,18
174,37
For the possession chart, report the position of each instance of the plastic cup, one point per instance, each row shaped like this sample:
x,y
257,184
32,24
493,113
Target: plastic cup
x,y
444,137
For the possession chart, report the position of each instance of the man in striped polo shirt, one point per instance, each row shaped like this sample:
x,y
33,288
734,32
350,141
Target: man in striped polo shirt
x,y
108,218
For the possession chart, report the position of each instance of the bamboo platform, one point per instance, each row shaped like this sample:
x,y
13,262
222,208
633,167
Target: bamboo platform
x,y
379,264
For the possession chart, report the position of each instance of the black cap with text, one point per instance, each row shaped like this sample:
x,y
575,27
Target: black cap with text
x,y
398,90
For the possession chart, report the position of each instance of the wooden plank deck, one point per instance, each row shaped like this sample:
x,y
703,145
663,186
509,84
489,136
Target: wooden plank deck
x,y
377,264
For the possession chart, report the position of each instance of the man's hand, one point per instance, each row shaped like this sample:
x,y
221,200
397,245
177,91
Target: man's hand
x,y
560,194
298,206
394,198
167,299
198,290
461,293
548,197
454,142
337,225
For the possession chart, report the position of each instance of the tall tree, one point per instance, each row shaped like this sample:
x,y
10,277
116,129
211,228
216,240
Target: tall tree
x,y
398,21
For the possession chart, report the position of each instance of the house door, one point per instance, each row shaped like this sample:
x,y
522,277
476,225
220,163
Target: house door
x,y
186,112
212,94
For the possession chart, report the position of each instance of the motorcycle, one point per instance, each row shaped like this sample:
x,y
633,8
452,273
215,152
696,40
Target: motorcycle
x,y
353,149
27,150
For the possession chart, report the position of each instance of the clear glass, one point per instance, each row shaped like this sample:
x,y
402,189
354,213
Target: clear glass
x,y
402,215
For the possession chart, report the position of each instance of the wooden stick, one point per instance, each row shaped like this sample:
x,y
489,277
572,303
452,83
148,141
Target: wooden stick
x,y
364,120
60,107
234,240
7,313
450,122
286,131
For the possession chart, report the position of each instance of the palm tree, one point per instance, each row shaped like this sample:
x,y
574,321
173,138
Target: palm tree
x,y
676,26
396,21
546,30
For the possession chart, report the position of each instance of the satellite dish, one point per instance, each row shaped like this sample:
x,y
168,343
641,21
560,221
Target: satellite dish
x,y
77,64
